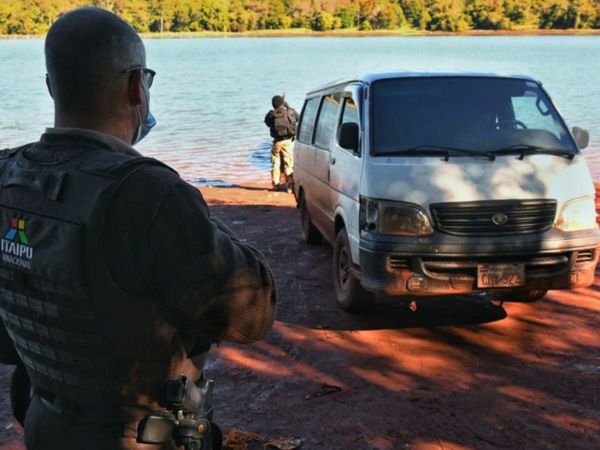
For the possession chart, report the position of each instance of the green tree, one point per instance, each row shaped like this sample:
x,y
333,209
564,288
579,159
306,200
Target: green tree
x,y
447,15
416,13
518,12
553,14
36,16
322,21
210,15
161,14
296,13
277,17
487,14
258,10
30,16
365,25
240,17
387,15
138,15
381,14
582,13
348,16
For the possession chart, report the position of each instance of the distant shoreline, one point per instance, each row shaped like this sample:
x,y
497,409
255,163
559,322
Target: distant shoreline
x,y
300,32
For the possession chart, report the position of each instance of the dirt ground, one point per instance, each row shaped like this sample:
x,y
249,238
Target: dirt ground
x,y
457,373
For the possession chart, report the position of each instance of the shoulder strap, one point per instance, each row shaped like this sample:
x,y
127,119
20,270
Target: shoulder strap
x,y
291,113
6,156
113,164
8,153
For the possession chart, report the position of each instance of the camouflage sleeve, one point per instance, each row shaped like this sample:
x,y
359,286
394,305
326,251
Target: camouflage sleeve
x,y
215,284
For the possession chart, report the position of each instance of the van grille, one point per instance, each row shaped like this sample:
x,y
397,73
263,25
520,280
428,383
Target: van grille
x,y
399,263
494,217
584,256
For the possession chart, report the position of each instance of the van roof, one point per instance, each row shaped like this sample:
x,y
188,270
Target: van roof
x,y
371,77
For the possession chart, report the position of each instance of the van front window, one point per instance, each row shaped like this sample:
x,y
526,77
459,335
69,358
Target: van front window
x,y
464,115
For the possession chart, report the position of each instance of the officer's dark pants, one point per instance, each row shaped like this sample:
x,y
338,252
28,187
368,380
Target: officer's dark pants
x,y
47,430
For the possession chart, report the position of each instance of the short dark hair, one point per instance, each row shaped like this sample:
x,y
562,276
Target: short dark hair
x,y
277,101
85,51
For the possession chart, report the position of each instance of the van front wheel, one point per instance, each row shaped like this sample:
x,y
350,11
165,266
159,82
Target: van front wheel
x,y
350,295
310,234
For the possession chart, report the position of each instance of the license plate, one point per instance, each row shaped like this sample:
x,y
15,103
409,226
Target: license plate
x,y
500,275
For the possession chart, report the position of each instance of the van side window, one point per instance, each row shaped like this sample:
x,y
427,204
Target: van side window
x,y
327,120
307,122
350,114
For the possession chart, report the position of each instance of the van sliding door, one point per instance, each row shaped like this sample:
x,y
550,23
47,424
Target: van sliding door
x,y
345,167
324,130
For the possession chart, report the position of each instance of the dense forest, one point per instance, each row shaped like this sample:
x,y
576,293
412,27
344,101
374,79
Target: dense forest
x,y
35,16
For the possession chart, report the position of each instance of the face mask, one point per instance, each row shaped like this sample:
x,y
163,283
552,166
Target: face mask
x,y
143,128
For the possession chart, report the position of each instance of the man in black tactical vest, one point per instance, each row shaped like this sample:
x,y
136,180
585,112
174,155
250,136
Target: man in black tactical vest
x,y
282,121
112,272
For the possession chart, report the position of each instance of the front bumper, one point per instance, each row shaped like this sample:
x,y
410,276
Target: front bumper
x,y
445,265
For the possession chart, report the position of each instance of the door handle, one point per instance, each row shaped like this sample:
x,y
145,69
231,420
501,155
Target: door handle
x,y
332,161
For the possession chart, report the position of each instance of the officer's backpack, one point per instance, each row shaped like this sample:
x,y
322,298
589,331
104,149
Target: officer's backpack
x,y
285,122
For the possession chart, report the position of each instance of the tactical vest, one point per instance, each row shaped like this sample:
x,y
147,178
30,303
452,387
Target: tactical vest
x,y
84,342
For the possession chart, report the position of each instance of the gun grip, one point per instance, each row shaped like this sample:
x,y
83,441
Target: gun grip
x,y
156,428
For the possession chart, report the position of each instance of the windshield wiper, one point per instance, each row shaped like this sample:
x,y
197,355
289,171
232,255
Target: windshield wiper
x,y
525,149
440,150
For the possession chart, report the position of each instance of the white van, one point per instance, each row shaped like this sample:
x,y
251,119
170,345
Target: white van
x,y
435,184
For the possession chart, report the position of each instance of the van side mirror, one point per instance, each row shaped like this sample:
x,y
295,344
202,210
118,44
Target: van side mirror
x,y
582,137
349,136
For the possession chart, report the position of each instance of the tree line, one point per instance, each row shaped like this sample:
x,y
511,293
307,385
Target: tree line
x,y
36,16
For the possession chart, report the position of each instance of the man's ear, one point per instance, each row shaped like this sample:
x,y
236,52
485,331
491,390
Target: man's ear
x,y
48,86
135,88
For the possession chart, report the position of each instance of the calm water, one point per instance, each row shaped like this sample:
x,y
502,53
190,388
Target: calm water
x,y
210,95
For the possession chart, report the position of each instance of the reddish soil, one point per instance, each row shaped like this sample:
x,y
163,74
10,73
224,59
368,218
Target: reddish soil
x,y
457,373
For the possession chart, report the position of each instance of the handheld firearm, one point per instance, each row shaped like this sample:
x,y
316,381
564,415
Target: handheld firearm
x,y
188,420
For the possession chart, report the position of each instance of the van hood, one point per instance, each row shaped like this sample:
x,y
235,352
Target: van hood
x,y
426,180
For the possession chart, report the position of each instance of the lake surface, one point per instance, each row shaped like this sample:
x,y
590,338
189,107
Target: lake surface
x,y
210,95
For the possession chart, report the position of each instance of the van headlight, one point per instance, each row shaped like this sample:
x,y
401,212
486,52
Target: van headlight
x,y
400,219
577,214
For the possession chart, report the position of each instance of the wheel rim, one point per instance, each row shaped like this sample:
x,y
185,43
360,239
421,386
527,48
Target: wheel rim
x,y
344,271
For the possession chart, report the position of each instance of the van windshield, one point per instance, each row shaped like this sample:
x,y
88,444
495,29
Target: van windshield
x,y
459,116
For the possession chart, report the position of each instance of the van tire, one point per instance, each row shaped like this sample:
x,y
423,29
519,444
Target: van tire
x,y
350,295
310,234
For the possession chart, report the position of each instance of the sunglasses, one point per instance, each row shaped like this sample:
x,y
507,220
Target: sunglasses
x,y
148,74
